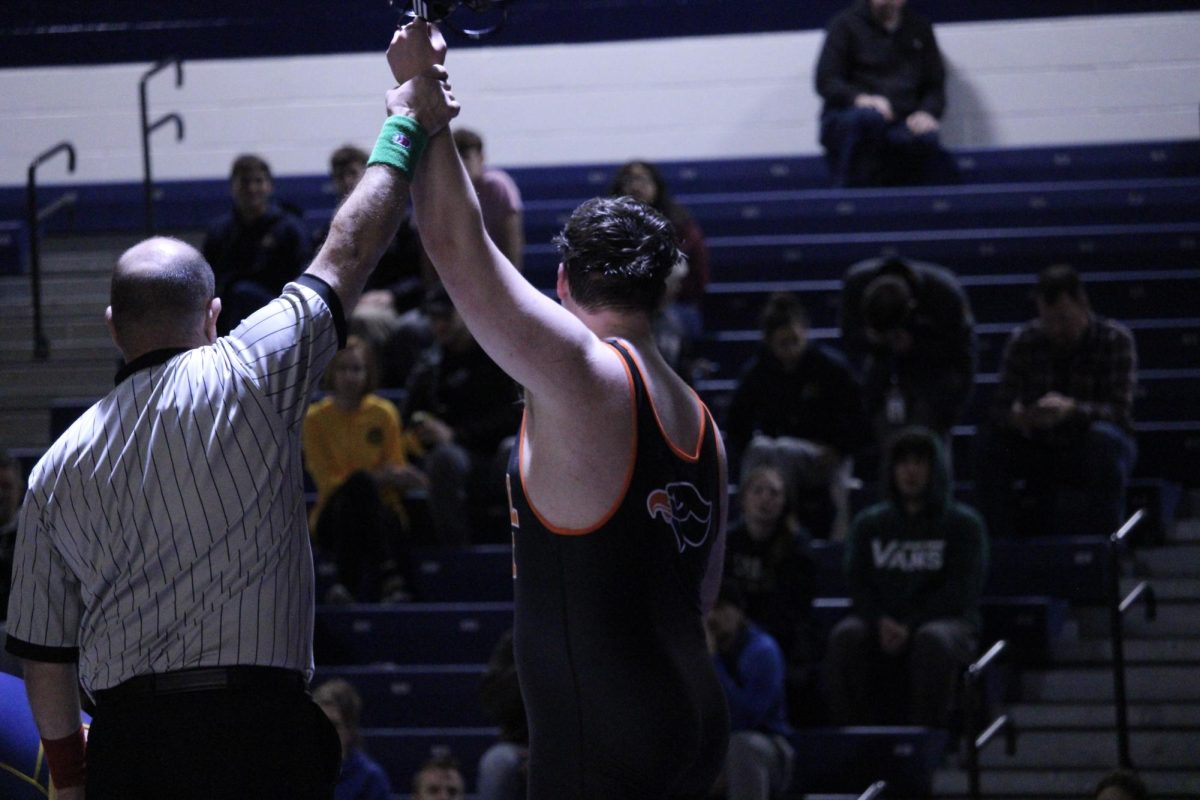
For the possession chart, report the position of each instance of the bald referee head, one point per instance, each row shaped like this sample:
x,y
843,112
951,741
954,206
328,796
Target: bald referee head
x,y
161,296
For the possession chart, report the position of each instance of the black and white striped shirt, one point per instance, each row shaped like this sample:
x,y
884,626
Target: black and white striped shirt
x,y
166,528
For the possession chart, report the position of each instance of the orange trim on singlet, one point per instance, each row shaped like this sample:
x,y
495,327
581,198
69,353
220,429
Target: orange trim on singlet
x,y
700,407
628,469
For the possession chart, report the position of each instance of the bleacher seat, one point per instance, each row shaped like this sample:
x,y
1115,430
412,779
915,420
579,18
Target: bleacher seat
x,y
849,759
418,633
746,213
1030,624
414,696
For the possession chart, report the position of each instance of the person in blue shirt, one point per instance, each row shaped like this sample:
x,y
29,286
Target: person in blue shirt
x,y
750,668
361,778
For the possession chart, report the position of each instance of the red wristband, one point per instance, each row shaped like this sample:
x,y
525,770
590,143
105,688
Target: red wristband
x,y
67,759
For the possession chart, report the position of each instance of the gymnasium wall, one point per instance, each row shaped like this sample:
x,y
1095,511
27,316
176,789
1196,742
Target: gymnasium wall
x,y
1013,82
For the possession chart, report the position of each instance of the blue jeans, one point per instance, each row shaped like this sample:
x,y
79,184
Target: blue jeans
x,y
1032,487
864,149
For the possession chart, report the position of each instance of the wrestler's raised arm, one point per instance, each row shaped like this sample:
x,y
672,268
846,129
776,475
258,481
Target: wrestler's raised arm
x,y
367,221
540,344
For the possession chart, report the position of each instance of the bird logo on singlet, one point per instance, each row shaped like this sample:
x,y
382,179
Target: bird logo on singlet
x,y
683,508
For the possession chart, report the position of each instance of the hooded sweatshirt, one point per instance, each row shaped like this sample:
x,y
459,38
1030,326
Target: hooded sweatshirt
x,y
918,567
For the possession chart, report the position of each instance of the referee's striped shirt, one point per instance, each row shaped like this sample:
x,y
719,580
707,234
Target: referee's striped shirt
x,y
166,528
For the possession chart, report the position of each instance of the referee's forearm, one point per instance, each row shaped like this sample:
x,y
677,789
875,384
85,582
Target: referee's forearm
x,y
361,230
53,691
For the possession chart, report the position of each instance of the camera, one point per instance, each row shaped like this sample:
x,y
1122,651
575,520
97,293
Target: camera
x,y
492,13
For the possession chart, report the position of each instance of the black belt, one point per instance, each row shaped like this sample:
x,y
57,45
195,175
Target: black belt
x,y
205,679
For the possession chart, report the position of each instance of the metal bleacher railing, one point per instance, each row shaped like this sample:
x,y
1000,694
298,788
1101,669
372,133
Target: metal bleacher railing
x,y
973,705
874,791
149,127
35,217
1117,608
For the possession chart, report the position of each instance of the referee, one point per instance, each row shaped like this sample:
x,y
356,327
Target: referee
x,y
162,558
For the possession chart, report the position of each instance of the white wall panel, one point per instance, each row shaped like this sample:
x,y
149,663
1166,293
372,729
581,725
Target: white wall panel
x,y
1021,83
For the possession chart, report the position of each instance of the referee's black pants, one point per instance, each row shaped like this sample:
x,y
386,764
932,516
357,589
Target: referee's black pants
x,y
221,744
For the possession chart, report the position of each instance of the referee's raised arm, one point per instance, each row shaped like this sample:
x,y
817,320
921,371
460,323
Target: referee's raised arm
x,y
368,220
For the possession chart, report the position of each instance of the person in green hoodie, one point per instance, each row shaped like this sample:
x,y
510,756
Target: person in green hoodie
x,y
916,564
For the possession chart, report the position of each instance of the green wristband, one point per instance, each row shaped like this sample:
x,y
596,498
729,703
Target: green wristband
x,y
400,144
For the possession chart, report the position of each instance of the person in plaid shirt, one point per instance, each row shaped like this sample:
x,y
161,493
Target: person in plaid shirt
x,y
1061,421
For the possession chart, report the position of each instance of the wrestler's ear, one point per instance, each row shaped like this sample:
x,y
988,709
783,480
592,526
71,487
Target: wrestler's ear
x,y
561,286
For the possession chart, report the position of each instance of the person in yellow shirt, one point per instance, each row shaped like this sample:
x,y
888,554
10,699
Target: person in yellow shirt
x,y
357,454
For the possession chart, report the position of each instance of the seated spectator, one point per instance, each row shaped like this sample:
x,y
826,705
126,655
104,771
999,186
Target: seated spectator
x,y
255,248
355,452
642,181
910,326
12,490
1062,422
767,559
916,564
438,779
389,313
499,197
799,406
464,410
881,76
750,667
361,778
1121,784
503,768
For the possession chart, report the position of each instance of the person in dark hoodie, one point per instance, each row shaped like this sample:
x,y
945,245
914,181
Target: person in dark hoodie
x,y
908,325
799,407
916,564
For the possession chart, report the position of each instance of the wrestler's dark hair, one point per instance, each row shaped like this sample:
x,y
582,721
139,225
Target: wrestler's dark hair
x,y
346,155
886,303
617,254
173,297
247,163
782,310
1126,781
1058,280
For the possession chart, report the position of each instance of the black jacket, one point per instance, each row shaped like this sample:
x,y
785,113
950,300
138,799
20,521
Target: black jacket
x,y
860,57
820,400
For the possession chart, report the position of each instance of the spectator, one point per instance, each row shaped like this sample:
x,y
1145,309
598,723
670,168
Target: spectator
x,y
799,406
438,779
1121,784
389,315
355,452
910,325
1062,418
255,248
499,197
642,181
750,667
768,559
464,411
12,487
503,768
881,76
361,778
915,563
